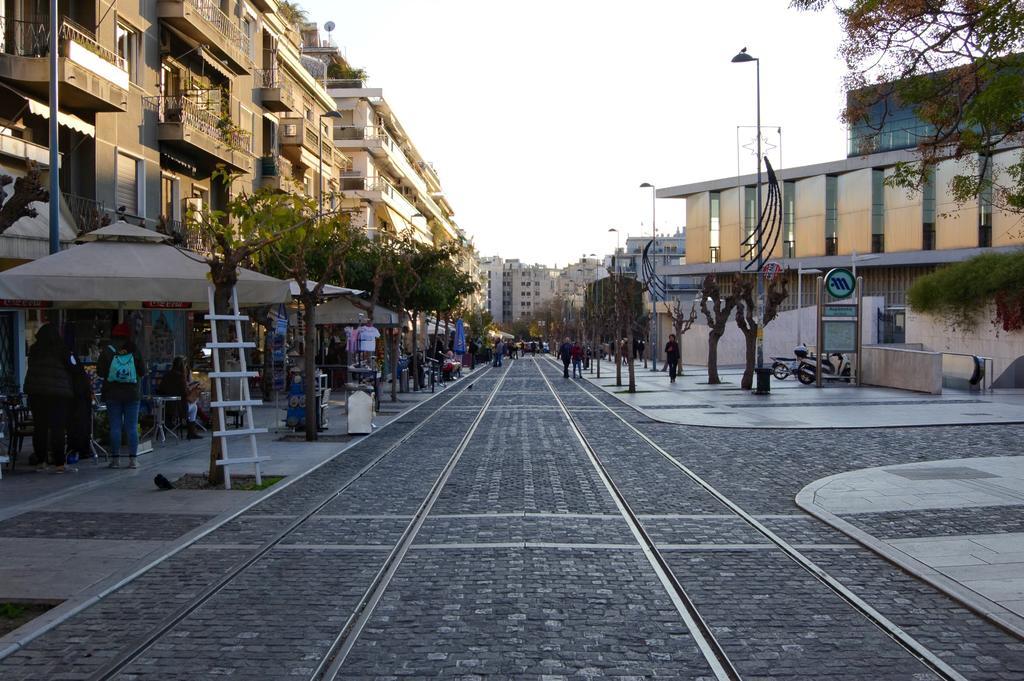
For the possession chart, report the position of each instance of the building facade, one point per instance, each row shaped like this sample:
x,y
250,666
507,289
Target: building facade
x,y
491,269
526,289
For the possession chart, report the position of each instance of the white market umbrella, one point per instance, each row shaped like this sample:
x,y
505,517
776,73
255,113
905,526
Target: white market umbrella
x,y
126,266
329,290
343,311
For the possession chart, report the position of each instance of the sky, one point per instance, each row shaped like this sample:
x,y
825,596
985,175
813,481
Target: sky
x,y
543,117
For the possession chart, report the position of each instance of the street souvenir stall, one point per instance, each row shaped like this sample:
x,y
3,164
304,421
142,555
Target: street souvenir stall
x,y
124,273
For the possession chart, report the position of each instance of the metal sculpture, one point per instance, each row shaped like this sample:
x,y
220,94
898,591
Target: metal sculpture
x,y
770,224
653,283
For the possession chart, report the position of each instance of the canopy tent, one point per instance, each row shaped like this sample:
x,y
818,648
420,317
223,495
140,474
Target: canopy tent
x,y
329,291
343,310
124,266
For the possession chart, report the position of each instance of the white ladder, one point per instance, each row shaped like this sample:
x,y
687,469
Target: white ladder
x,y
245,403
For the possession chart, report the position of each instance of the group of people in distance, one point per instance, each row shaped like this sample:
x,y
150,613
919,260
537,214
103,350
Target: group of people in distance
x,y
579,357
60,396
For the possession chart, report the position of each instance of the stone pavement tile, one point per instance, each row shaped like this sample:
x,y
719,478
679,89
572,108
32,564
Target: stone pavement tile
x,y
1000,543
972,573
972,645
551,529
360,531
998,590
124,526
525,613
37,568
524,463
78,648
941,546
275,621
1012,557
775,620
987,520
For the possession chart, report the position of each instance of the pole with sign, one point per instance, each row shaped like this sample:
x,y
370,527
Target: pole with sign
x,y
839,321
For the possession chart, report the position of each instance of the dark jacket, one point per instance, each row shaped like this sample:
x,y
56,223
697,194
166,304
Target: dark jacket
x,y
672,350
565,353
120,392
49,371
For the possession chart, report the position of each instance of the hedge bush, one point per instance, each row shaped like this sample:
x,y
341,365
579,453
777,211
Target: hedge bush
x,y
963,291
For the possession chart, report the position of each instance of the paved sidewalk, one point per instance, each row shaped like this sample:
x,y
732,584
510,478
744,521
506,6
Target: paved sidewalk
x,y
691,401
958,524
77,534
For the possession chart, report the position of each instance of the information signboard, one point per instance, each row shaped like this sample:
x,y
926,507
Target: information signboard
x,y
839,335
834,310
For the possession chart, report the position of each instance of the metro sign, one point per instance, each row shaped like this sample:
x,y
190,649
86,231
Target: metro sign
x,y
840,283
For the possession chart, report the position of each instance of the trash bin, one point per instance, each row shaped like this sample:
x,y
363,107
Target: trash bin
x,y
763,386
359,411
403,380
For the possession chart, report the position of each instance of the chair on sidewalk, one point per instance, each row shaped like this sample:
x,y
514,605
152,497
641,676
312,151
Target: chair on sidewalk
x,y
20,426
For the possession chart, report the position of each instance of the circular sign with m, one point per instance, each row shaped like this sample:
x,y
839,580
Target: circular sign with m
x,y
839,283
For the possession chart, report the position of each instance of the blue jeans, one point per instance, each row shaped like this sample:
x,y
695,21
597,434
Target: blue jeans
x,y
123,415
577,368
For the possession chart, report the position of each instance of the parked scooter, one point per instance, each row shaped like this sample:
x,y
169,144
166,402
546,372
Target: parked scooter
x,y
783,367
836,364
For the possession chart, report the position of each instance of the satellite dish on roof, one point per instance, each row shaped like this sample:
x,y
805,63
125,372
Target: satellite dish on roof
x,y
329,26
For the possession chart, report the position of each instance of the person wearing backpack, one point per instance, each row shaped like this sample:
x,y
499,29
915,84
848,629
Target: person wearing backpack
x,y
48,383
121,368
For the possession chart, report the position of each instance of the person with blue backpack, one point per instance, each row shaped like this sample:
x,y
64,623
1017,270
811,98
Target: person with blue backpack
x,y
121,369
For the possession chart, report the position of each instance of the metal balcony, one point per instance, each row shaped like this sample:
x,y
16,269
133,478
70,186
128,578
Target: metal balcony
x,y
92,77
188,123
204,22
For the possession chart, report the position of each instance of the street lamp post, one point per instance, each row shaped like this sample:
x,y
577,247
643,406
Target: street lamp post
x,y
654,269
54,130
320,150
741,58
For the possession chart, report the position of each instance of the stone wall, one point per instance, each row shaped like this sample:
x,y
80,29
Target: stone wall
x,y
1005,348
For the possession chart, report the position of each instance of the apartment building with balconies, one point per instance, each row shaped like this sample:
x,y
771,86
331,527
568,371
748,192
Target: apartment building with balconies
x,y
526,289
392,184
157,95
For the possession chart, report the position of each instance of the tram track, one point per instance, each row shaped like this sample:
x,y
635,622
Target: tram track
x,y
123,660
922,653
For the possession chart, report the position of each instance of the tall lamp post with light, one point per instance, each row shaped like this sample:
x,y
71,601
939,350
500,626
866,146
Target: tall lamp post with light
x,y
654,270
320,149
742,58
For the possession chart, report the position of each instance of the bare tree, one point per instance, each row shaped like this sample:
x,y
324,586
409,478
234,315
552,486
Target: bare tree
x,y
27,190
746,317
716,310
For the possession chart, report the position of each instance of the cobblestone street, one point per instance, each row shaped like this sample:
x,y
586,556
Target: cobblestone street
x,y
520,525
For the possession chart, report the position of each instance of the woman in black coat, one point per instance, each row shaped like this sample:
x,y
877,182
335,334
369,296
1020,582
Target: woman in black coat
x,y
48,383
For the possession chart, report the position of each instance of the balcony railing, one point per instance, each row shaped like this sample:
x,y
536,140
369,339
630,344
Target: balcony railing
x,y
209,11
345,83
89,214
32,39
356,132
276,166
190,111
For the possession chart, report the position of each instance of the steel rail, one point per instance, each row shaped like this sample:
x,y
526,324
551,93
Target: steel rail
x,y
917,649
330,665
118,663
702,634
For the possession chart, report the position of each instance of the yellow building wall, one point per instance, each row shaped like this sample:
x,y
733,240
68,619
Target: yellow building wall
x,y
698,228
903,219
731,228
956,226
853,204
809,223
1007,228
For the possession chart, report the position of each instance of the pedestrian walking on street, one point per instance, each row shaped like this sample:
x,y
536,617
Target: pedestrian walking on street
x,y
48,383
121,368
499,351
577,360
565,354
672,357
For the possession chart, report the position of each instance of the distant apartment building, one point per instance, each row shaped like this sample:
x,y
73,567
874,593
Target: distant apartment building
x,y
574,278
669,250
526,289
492,268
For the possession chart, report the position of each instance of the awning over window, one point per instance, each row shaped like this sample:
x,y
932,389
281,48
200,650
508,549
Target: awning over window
x,y
67,120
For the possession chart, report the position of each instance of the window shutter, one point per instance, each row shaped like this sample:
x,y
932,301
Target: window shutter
x,y
127,184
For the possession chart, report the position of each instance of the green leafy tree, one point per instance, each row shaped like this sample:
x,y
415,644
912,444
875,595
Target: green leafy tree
x,y
313,256
247,226
956,65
